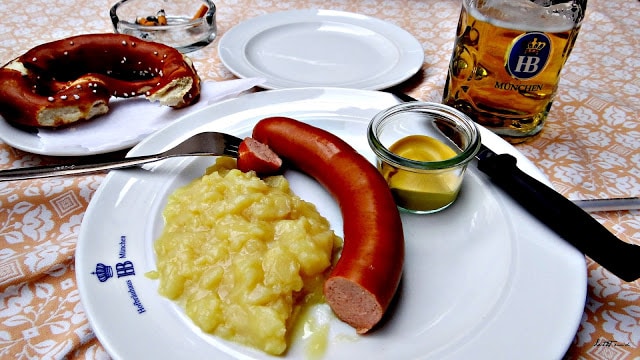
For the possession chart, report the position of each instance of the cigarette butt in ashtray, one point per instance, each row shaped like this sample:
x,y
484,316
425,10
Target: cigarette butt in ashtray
x,y
201,11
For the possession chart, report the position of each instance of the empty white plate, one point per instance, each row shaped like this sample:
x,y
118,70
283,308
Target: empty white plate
x,y
318,48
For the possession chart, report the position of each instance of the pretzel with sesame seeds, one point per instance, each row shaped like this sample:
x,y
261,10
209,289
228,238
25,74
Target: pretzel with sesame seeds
x,y
72,79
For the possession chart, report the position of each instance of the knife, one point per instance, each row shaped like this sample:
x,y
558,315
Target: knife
x,y
558,213
609,204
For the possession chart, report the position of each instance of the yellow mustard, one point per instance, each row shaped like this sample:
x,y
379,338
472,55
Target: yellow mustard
x,y
422,191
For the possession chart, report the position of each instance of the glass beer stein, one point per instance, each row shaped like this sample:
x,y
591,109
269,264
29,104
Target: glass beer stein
x,y
506,61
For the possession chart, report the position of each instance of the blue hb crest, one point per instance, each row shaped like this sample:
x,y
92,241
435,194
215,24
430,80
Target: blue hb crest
x,y
103,272
528,55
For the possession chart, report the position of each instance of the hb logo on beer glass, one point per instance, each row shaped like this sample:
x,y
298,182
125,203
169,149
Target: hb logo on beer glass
x,y
528,55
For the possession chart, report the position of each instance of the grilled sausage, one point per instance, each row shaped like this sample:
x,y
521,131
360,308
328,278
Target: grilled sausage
x,y
256,156
365,278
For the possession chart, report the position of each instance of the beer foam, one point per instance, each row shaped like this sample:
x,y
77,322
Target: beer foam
x,y
525,15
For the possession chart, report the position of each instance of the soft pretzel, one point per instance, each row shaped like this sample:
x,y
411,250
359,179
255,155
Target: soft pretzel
x,y
72,79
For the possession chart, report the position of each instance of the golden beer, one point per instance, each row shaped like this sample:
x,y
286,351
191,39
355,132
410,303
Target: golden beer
x,y
506,63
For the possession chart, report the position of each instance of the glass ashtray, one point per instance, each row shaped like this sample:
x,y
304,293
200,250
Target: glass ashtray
x,y
186,25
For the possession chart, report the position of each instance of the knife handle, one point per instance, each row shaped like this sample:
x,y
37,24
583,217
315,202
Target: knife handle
x,y
564,217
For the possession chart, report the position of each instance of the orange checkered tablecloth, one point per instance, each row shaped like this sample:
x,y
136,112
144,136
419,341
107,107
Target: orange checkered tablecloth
x,y
589,149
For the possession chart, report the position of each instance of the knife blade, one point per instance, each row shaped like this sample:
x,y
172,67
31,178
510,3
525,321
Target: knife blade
x,y
560,214
609,204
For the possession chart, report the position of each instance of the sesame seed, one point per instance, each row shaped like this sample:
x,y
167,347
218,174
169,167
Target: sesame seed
x,y
34,59
147,93
50,98
124,60
124,43
133,44
70,42
65,53
155,53
78,86
63,97
76,96
95,91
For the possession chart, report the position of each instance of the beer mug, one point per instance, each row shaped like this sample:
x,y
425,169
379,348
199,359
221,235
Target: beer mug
x,y
506,62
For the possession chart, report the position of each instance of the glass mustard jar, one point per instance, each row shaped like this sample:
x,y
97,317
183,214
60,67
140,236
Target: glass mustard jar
x,y
422,151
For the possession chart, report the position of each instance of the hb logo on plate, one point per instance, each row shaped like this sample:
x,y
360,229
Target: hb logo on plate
x,y
104,272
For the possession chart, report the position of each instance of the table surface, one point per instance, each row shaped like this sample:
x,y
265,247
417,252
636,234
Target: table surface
x,y
588,149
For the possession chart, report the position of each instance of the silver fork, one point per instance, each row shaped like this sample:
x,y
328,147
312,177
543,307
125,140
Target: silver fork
x,y
202,144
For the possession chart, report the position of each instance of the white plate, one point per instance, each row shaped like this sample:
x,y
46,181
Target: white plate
x,y
30,141
304,48
105,134
483,279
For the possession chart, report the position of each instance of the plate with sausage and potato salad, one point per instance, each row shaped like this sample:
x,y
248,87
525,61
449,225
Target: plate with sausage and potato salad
x,y
472,273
